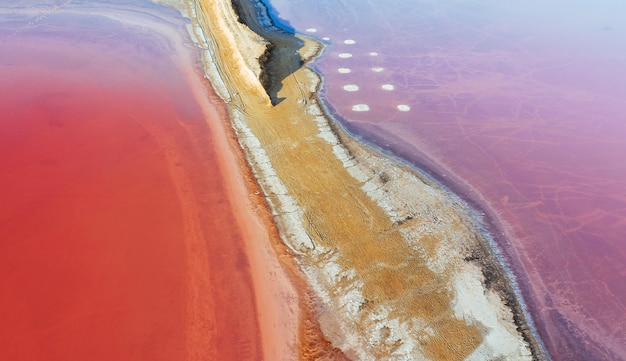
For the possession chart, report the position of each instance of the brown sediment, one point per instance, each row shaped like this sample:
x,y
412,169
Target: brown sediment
x,y
397,266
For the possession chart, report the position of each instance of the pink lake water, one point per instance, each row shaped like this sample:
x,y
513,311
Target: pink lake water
x,y
519,108
119,239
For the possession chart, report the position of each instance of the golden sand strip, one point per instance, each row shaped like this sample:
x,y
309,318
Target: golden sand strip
x,y
398,265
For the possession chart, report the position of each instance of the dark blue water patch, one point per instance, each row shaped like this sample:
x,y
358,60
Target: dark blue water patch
x,y
274,17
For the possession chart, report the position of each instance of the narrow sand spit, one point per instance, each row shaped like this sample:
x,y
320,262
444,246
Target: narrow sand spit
x,y
285,303
400,268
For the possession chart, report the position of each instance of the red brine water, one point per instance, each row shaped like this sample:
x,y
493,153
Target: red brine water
x,y
117,237
519,108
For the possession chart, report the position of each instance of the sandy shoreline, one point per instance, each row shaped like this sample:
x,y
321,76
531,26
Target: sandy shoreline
x,y
397,265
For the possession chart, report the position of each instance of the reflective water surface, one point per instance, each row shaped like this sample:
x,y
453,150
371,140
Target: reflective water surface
x,y
518,106
117,237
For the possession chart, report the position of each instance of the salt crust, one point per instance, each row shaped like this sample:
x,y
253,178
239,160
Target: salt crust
x,y
344,70
350,87
360,108
296,237
472,303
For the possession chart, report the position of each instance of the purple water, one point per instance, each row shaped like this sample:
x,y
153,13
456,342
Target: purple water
x,y
518,106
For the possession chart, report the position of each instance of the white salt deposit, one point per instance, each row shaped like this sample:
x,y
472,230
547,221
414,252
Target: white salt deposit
x,y
345,55
387,86
350,88
378,69
404,108
360,108
373,53
326,38
344,70
349,41
311,30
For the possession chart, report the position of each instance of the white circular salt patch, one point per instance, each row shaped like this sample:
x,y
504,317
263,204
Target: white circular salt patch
x,y
350,88
373,53
345,55
360,108
404,108
311,30
349,41
387,86
344,70
378,69
326,38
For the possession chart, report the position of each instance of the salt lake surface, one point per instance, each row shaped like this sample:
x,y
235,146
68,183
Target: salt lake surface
x,y
517,106
118,238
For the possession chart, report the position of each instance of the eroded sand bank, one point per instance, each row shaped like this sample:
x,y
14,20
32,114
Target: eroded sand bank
x,y
400,268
